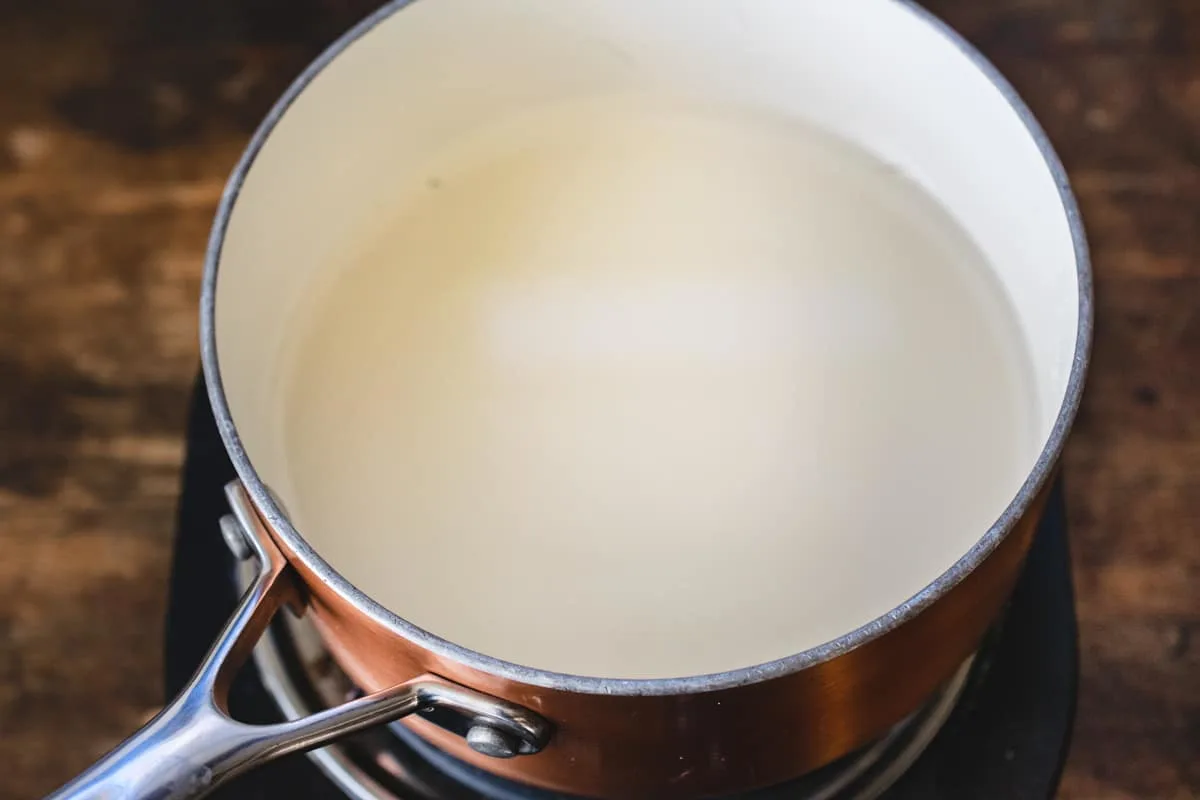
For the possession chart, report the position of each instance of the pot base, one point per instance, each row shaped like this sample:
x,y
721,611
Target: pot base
x,y
998,731
393,763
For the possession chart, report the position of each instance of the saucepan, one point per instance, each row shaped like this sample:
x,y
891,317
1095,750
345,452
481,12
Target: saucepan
x,y
883,74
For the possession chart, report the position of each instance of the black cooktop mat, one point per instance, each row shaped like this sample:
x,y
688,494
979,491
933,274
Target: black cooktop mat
x,y
1007,740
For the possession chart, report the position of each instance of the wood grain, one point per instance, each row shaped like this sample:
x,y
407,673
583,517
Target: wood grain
x,y
118,124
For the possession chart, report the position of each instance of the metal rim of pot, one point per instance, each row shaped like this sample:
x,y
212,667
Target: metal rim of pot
x,y
281,526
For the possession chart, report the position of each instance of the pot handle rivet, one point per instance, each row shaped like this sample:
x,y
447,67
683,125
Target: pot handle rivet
x,y
489,741
235,538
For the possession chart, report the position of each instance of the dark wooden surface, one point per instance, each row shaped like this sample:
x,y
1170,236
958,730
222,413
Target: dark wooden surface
x,y
118,124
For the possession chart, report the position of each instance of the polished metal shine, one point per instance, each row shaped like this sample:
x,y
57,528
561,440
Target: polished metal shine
x,y
295,669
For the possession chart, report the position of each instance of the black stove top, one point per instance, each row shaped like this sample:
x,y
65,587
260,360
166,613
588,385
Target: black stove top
x,y
1005,740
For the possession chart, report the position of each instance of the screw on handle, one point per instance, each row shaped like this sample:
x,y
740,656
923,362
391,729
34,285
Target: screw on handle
x,y
193,745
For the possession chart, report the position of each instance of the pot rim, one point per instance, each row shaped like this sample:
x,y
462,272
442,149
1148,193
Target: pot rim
x,y
396,625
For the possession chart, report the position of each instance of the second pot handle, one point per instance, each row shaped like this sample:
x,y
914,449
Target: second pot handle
x,y
193,745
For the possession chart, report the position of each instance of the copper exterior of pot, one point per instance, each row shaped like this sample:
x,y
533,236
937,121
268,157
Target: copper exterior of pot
x,y
690,737
705,743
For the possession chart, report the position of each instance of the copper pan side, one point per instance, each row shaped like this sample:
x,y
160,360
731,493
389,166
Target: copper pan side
x,y
691,737
704,743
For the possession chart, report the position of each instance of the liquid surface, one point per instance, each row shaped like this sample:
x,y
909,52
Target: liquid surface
x,y
637,390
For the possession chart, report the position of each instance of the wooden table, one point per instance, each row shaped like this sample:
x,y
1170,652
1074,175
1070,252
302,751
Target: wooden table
x,y
118,124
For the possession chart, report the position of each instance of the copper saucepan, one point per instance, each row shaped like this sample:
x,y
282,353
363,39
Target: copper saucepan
x,y
881,72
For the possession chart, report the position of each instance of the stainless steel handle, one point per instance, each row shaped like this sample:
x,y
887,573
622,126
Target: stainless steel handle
x,y
193,745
